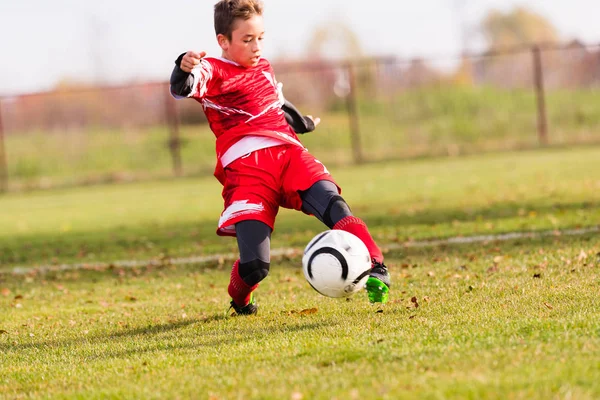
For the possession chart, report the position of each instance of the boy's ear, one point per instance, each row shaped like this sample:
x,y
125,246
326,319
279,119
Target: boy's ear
x,y
223,41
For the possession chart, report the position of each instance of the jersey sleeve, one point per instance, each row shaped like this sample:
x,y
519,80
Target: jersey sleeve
x,y
194,84
203,74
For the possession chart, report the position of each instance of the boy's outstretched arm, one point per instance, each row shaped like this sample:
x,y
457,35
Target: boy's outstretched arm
x,y
300,123
182,80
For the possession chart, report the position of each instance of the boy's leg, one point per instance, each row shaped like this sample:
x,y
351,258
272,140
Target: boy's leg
x,y
323,201
254,240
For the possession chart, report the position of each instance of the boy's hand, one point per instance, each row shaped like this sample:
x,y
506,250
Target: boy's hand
x,y
190,60
314,120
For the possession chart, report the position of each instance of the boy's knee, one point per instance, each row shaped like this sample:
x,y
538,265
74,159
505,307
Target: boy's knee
x,y
336,210
254,271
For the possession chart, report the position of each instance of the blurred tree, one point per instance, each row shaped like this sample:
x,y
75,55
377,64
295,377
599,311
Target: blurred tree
x,y
517,27
334,41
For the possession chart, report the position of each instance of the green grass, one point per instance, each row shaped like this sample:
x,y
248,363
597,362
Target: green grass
x,y
431,121
513,319
534,190
485,327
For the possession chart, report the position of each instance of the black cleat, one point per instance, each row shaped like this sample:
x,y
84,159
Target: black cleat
x,y
249,309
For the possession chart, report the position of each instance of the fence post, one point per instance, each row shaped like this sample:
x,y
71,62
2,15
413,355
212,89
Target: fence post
x,y
352,106
538,78
174,140
3,163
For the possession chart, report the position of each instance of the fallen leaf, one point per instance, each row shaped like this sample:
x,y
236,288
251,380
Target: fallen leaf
x,y
18,297
308,311
412,316
537,275
498,259
2,332
548,305
5,292
414,300
582,256
131,298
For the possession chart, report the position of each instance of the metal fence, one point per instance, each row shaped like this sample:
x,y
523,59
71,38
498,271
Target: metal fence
x,y
372,109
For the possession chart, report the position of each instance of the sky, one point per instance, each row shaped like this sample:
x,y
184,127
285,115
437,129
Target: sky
x,y
121,41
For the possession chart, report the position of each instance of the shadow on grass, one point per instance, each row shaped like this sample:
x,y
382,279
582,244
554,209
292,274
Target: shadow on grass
x,y
396,258
152,337
156,241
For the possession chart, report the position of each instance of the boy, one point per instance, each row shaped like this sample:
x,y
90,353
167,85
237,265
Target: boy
x,y
260,161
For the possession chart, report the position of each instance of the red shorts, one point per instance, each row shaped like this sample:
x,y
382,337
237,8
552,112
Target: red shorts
x,y
256,185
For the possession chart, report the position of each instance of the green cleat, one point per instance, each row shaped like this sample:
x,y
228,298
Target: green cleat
x,y
378,284
249,309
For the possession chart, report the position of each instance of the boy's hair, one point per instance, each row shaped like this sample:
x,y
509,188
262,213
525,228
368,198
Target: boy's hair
x,y
227,11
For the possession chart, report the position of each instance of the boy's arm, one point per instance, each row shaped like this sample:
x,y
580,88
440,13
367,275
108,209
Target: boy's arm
x,y
300,123
182,83
183,79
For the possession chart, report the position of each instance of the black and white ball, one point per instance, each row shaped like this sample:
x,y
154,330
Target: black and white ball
x,y
336,263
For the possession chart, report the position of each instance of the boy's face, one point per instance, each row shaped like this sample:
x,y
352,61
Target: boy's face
x,y
245,46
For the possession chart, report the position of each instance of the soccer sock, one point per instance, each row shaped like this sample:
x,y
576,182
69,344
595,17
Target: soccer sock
x,y
357,227
239,290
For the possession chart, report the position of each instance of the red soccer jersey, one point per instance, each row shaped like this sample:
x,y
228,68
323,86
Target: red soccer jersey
x,y
240,102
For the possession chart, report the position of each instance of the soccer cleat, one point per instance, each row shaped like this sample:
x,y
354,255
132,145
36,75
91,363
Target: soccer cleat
x,y
249,309
378,284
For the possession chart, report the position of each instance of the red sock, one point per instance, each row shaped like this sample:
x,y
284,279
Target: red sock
x,y
357,227
239,290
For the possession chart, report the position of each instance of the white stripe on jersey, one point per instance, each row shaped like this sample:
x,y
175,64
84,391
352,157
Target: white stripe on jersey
x,y
225,110
272,106
201,73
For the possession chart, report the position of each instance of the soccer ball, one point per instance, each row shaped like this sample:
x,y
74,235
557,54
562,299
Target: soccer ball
x,y
336,263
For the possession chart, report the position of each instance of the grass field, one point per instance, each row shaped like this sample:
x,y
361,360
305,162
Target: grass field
x,y
432,121
508,319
